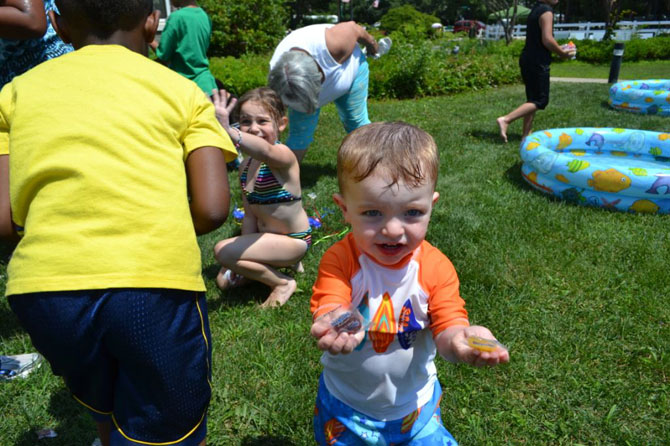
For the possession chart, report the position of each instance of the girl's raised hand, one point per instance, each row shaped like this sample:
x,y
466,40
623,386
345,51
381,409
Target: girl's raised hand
x,y
224,103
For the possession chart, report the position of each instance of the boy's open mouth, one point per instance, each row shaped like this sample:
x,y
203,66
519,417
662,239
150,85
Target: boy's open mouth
x,y
390,248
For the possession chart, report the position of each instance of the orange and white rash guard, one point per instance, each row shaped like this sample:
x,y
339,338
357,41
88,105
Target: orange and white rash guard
x,y
391,373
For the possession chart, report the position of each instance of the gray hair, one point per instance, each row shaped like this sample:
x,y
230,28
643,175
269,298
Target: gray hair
x,y
297,80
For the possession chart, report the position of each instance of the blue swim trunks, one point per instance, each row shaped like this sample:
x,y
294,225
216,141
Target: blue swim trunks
x,y
138,357
336,424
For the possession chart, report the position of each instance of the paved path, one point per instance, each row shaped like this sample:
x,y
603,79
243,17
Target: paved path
x,y
578,79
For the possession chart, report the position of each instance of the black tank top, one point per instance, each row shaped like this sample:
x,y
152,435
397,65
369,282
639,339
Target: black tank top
x,y
534,50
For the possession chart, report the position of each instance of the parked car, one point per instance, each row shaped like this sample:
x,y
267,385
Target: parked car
x,y
471,27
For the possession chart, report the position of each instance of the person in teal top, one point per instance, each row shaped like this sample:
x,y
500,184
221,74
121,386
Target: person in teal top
x,y
184,43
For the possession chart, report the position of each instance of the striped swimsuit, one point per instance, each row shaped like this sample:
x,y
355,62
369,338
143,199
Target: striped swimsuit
x,y
268,190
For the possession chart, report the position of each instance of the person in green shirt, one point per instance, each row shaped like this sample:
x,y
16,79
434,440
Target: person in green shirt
x,y
184,43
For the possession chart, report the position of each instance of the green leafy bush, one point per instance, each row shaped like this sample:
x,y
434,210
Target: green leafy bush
x,y
655,48
243,74
408,70
411,70
245,26
406,20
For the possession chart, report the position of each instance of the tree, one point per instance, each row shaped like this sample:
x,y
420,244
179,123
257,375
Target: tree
x,y
612,10
301,8
366,12
245,26
407,17
505,12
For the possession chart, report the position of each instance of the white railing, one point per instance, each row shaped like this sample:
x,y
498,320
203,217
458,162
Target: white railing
x,y
587,30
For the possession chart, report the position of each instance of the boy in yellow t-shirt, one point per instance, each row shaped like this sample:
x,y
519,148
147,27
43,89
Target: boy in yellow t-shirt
x,y
110,164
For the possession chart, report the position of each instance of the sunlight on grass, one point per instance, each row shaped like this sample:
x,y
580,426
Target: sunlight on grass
x,y
657,69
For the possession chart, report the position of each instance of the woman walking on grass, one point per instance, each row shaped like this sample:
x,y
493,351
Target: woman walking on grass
x,y
534,62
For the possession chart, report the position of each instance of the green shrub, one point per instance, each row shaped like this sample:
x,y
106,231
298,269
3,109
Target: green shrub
x,y
411,70
245,26
243,74
479,46
406,20
655,48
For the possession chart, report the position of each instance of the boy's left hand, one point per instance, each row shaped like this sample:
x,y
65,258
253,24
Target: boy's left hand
x,y
452,345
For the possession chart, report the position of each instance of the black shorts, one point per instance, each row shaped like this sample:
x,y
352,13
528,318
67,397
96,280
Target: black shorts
x,y
536,78
137,357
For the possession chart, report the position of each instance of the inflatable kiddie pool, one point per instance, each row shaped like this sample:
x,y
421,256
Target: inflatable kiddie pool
x,y
627,170
643,96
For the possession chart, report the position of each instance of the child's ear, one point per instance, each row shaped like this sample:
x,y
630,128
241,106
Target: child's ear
x,y
283,122
436,196
59,26
151,26
339,201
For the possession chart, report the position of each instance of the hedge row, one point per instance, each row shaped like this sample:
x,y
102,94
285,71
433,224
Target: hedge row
x,y
407,71
411,70
239,75
429,67
598,52
655,48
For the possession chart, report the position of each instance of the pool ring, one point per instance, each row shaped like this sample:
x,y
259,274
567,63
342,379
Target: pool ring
x,y
622,169
651,97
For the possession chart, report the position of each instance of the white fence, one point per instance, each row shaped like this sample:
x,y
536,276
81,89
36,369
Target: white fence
x,y
588,30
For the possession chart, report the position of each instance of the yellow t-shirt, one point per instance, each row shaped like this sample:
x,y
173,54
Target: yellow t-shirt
x,y
97,141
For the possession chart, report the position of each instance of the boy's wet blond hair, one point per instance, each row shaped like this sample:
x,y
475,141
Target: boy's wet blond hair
x,y
398,151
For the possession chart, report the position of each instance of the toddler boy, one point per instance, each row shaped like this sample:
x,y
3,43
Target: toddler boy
x,y
379,384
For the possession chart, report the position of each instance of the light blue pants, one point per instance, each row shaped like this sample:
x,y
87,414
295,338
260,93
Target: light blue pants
x,y
336,424
351,106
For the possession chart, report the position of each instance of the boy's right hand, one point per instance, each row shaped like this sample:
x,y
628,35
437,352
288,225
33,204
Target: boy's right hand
x,y
334,340
224,103
569,51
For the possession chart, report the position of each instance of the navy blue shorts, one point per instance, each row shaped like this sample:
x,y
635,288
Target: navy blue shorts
x,y
140,357
536,78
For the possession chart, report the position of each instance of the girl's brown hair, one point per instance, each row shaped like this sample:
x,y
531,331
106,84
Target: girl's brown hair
x,y
266,97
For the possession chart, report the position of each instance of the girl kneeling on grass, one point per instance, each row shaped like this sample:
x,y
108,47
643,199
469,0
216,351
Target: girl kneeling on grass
x,y
275,228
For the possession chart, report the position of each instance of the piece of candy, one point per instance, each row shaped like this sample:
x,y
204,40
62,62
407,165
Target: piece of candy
x,y
484,345
347,322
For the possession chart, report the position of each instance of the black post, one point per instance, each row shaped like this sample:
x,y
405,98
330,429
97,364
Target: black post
x,y
351,10
617,55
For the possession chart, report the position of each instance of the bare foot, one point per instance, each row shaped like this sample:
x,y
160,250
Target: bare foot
x,y
228,279
503,127
280,294
298,268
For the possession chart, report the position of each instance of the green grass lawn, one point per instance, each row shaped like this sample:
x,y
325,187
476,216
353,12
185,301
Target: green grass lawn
x,y
656,69
580,295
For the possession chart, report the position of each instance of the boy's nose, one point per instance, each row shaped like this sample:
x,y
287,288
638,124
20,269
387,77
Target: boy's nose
x,y
393,228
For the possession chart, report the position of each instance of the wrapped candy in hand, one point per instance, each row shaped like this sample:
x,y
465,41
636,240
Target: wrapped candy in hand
x,y
484,345
570,48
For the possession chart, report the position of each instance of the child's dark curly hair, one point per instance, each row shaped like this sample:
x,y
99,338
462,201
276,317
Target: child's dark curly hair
x,y
102,18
